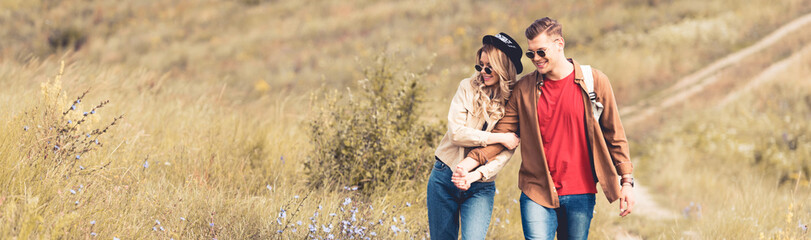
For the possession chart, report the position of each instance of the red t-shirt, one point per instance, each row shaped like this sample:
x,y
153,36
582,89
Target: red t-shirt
x,y
561,120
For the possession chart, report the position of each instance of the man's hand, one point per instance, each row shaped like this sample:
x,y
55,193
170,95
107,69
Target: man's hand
x,y
627,200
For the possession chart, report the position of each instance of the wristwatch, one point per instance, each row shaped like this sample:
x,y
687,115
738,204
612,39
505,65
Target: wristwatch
x,y
627,180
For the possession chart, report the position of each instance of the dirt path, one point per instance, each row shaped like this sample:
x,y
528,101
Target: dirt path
x,y
766,75
695,83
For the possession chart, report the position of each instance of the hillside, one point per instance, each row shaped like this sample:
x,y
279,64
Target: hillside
x,y
216,97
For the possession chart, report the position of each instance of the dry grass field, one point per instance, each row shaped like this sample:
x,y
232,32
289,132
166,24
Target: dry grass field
x,y
192,119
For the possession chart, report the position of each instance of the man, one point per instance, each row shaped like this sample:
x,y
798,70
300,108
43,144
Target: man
x,y
565,150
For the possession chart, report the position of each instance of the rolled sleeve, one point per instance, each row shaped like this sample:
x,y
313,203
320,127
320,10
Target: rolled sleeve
x,y
492,168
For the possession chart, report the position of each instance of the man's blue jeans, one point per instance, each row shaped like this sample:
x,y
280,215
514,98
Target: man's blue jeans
x,y
571,220
447,204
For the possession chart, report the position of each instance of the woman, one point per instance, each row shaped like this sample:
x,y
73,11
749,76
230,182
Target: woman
x,y
477,106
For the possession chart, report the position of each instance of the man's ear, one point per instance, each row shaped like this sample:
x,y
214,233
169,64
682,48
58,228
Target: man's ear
x,y
561,42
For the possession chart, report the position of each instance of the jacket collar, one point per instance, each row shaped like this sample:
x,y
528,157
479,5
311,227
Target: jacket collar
x,y
578,74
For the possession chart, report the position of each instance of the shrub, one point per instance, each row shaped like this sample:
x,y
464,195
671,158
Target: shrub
x,y
59,135
67,38
374,138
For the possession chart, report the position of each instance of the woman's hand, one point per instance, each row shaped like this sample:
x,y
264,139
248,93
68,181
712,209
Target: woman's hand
x,y
509,140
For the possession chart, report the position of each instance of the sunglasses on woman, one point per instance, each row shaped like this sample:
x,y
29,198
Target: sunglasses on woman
x,y
486,69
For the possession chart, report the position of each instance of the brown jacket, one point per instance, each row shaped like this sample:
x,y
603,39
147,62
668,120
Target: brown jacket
x,y
608,146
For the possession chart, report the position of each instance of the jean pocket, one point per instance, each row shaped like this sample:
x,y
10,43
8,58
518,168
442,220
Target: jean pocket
x,y
439,165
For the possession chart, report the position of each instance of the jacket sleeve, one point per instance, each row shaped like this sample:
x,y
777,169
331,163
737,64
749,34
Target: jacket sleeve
x,y
460,134
509,123
611,125
492,168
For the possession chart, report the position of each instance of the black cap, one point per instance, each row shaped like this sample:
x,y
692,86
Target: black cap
x,y
506,44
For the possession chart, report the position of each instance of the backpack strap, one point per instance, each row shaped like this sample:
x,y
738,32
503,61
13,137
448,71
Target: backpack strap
x,y
589,78
596,107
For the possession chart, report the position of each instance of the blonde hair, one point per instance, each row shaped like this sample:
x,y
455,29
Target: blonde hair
x,y
492,109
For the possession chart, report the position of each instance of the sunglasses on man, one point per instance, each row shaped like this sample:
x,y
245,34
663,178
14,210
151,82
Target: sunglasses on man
x,y
539,52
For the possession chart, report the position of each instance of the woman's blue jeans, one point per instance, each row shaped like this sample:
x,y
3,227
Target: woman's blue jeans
x,y
571,220
447,205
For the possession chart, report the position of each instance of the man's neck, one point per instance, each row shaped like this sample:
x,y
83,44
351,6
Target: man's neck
x,y
561,71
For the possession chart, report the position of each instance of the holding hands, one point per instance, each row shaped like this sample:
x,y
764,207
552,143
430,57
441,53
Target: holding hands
x,y
462,177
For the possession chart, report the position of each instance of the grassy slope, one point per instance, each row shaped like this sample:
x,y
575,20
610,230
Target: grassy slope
x,y
215,136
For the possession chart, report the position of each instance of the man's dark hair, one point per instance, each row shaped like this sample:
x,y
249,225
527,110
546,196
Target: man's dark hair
x,y
546,25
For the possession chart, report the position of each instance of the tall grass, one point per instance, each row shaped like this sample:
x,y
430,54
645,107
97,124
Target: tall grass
x,y
214,94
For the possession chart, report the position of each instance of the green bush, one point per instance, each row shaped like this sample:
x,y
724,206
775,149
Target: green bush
x,y
373,137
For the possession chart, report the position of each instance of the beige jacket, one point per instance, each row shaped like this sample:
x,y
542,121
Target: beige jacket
x,y
464,131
